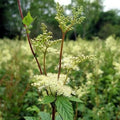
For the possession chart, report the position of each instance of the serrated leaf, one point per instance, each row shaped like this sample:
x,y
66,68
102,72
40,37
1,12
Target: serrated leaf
x,y
75,99
31,118
48,99
44,116
28,19
58,117
64,108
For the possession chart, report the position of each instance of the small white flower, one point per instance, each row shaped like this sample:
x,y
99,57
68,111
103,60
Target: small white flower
x,y
52,84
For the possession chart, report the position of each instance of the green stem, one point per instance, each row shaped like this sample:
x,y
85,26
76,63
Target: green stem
x,y
28,37
66,76
76,112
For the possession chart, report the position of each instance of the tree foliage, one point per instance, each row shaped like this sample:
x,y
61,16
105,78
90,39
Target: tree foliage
x,y
44,11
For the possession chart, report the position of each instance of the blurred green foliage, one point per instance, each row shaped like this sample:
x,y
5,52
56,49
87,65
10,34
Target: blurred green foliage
x,y
98,80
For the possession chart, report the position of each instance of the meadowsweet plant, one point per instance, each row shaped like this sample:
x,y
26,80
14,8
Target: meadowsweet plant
x,y
43,42
59,94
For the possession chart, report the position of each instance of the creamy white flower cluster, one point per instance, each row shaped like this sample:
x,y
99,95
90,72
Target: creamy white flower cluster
x,y
5,56
111,43
97,70
52,84
66,22
71,63
84,89
117,67
43,41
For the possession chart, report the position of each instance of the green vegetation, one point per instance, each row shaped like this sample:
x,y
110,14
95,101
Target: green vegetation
x,y
97,82
43,81
58,91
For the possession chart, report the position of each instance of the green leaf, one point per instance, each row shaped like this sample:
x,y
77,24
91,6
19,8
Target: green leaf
x,y
28,19
44,116
34,108
75,99
58,117
64,108
31,118
48,99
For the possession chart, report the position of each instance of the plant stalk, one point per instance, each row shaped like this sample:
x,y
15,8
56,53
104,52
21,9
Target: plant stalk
x,y
63,37
53,111
44,63
76,112
59,70
28,37
66,76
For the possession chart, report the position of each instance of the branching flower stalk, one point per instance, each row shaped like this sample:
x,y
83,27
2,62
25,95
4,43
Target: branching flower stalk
x,y
61,50
63,37
66,24
59,93
42,43
28,37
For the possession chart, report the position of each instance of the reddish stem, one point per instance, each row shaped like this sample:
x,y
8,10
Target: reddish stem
x,y
20,10
44,63
63,37
53,111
